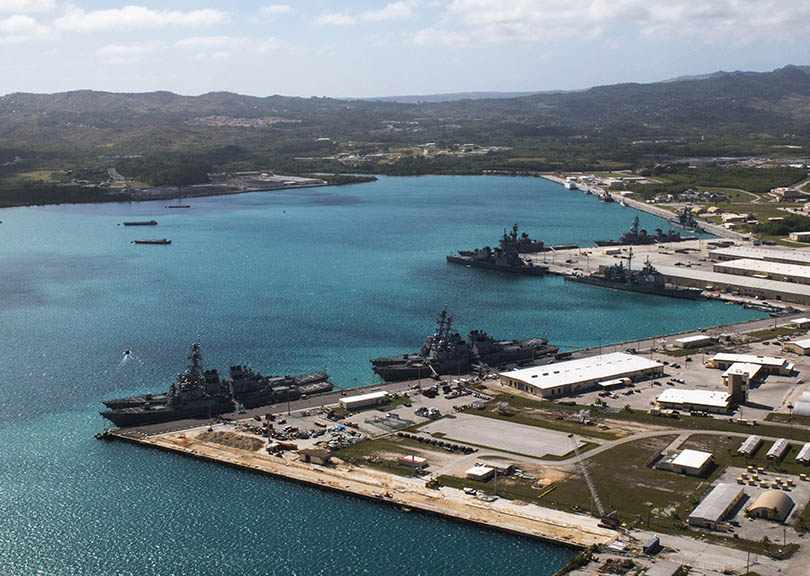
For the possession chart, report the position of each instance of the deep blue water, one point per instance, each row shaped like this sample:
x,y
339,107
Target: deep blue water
x,y
288,282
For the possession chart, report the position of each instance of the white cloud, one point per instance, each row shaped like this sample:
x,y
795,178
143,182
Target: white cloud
x,y
127,52
273,10
20,28
537,21
78,20
26,6
400,10
335,19
223,47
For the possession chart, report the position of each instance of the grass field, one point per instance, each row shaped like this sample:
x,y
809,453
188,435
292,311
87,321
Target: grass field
x,y
684,422
376,454
788,418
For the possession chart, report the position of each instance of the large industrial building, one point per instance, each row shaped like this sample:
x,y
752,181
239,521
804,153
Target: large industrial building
x,y
769,365
572,376
765,269
688,400
716,506
742,285
798,257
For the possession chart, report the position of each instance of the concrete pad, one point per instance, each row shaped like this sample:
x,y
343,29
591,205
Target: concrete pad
x,y
502,435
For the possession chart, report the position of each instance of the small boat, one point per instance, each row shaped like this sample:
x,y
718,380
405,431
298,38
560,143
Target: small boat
x,y
161,241
179,206
141,223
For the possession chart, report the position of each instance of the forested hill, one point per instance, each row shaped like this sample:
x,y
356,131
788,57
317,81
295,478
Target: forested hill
x,y
732,113
743,98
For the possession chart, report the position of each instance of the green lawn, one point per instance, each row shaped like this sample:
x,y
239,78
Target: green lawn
x,y
684,422
376,454
788,418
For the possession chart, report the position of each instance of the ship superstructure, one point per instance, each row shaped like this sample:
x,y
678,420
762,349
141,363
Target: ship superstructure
x,y
446,352
199,393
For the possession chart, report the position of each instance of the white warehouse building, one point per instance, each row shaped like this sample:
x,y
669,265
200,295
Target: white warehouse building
x,y
573,376
770,365
364,400
705,400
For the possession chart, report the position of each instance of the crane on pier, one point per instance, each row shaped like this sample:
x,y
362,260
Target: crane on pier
x,y
608,520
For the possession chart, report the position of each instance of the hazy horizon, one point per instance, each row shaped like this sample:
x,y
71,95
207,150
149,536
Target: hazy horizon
x,y
363,49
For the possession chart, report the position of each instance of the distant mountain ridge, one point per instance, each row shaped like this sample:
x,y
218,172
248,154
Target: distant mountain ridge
x,y
455,96
723,113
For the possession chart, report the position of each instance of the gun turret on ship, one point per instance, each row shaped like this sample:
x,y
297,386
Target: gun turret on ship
x,y
636,237
198,393
445,352
648,280
506,257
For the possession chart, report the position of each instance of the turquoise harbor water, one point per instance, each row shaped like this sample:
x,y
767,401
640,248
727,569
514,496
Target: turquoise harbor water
x,y
288,282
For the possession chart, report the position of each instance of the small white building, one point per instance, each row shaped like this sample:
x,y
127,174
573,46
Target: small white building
x,y
574,376
801,347
770,365
688,400
415,462
697,341
749,445
689,462
777,451
376,398
800,323
503,468
480,473
803,456
800,236
716,506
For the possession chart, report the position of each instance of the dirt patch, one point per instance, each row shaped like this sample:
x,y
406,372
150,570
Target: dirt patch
x,y
232,440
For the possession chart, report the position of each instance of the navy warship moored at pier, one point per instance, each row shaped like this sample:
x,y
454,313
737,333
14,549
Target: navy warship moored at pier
x,y
686,219
636,237
505,258
198,393
648,280
445,352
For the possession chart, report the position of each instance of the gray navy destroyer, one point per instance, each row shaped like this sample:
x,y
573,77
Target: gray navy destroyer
x,y
198,393
446,352
648,280
506,257
686,220
636,237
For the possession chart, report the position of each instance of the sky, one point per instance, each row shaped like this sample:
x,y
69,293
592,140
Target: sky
x,y
365,49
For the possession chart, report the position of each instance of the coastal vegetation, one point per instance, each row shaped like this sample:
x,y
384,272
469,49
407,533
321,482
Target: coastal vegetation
x,y
675,178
